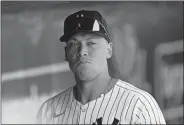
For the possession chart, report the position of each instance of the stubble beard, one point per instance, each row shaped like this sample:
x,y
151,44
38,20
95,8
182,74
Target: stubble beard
x,y
85,73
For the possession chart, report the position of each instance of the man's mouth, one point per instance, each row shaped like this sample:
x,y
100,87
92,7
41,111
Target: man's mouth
x,y
82,62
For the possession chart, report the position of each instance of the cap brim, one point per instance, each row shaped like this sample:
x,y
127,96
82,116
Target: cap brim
x,y
65,38
62,38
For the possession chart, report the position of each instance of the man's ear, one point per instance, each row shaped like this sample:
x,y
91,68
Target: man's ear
x,y
65,55
109,50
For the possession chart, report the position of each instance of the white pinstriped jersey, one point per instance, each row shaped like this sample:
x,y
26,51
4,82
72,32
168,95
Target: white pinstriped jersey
x,y
123,104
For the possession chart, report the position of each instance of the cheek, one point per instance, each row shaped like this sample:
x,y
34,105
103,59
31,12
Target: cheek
x,y
99,58
71,55
100,53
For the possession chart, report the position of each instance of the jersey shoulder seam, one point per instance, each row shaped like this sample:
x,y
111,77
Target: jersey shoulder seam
x,y
133,88
58,95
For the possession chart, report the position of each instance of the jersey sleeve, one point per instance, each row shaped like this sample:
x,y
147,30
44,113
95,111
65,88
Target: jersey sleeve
x,y
148,111
43,113
40,113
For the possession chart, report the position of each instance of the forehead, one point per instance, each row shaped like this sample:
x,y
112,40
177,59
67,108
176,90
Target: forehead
x,y
81,36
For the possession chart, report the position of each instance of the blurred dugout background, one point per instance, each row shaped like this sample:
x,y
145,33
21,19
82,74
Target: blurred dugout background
x,y
148,52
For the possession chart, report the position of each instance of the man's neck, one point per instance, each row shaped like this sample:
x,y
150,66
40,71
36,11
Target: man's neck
x,y
86,91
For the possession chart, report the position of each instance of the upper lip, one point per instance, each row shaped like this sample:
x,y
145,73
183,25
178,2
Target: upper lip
x,y
82,61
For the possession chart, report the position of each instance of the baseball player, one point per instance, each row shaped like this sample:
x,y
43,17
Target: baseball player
x,y
96,98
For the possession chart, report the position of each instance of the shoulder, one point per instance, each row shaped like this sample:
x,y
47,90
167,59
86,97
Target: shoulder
x,y
51,103
139,93
144,104
140,97
59,95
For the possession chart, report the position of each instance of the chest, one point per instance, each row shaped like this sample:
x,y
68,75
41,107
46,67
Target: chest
x,y
106,112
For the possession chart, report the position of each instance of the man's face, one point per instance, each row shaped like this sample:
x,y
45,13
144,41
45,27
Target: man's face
x,y
87,54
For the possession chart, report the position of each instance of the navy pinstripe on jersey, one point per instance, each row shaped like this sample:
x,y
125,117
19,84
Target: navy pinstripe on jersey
x,y
123,104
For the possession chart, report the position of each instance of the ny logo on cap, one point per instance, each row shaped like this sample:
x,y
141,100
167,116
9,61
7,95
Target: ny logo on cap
x,y
96,26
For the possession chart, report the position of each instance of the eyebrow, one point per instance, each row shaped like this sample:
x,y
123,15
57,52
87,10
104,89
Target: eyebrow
x,y
91,38
73,39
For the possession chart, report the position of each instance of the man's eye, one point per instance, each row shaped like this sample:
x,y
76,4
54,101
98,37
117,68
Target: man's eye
x,y
73,44
92,43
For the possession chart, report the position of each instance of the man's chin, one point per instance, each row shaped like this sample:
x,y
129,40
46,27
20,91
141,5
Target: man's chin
x,y
84,78
85,75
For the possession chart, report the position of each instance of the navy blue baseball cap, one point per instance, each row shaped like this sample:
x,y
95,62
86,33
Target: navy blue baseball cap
x,y
85,21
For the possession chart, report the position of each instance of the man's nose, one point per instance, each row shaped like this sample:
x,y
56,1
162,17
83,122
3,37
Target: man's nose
x,y
83,50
